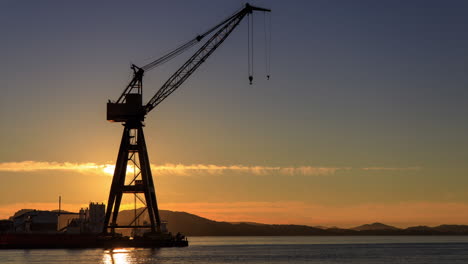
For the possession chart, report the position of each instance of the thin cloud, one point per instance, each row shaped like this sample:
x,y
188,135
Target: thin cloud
x,y
186,170
31,166
180,169
171,169
391,169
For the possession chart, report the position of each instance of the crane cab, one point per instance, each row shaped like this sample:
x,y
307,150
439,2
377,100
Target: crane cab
x,y
130,109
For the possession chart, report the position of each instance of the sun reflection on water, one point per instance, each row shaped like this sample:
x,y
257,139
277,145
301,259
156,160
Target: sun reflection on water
x,y
117,256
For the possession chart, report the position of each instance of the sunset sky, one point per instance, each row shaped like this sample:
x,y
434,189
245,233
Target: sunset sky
x,y
364,119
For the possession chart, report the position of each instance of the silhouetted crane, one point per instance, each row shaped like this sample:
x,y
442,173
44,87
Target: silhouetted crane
x,y
129,110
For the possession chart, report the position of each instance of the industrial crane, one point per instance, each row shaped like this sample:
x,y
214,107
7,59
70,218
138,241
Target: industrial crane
x,y
129,110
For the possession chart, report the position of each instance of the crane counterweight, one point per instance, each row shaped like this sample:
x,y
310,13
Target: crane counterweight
x,y
131,109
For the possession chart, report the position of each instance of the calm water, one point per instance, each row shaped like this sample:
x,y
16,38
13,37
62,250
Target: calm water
x,y
323,250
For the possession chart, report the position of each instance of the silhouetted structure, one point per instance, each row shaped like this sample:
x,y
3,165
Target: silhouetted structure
x,y
129,110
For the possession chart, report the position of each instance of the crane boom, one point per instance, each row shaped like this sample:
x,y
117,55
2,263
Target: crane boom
x,y
138,71
129,105
199,57
184,47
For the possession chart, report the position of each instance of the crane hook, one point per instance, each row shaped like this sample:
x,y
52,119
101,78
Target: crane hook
x,y
268,77
250,79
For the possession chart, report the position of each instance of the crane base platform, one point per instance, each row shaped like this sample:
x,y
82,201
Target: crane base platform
x,y
67,241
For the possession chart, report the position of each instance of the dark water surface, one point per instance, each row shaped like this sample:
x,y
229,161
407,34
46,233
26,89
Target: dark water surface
x,y
323,250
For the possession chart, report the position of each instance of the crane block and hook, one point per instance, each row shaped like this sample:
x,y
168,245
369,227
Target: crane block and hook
x,y
250,44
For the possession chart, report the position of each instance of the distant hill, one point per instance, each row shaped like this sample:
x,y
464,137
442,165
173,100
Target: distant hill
x,y
249,223
374,226
453,229
193,225
20,212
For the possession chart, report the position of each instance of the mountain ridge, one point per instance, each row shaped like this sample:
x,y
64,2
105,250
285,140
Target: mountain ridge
x,y
374,226
194,225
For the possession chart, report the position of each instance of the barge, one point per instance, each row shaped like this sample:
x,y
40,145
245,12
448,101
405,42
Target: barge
x,y
70,241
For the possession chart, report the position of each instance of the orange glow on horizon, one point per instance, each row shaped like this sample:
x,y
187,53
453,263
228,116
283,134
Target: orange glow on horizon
x,y
415,213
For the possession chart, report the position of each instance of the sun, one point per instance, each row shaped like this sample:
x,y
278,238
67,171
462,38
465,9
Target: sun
x,y
108,169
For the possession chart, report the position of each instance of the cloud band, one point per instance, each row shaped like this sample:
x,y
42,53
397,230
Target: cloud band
x,y
184,170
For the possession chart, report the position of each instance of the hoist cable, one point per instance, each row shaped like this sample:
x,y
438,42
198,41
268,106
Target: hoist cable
x,y
267,28
252,44
269,45
248,45
249,51
266,45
